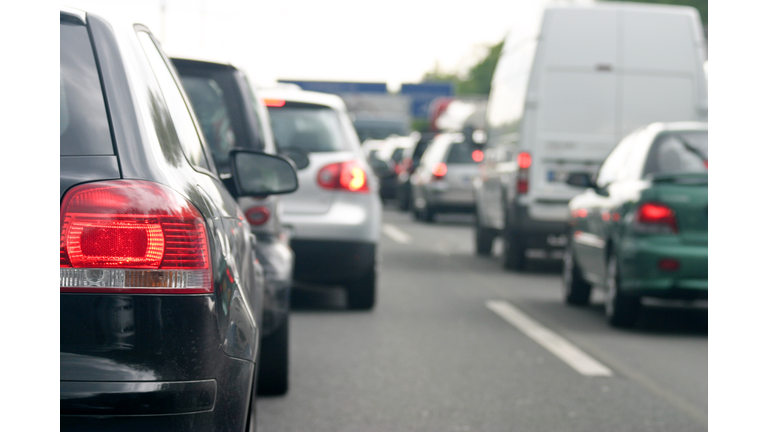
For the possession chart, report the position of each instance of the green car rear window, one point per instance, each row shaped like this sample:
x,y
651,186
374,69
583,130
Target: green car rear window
x,y
678,152
83,124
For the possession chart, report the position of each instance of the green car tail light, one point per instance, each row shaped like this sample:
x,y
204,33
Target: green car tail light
x,y
655,218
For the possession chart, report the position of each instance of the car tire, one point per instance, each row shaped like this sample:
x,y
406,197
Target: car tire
x,y
429,213
273,365
621,310
513,254
576,290
361,293
483,238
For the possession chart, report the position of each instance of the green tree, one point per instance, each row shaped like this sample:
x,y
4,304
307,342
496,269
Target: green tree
x,y
478,80
701,5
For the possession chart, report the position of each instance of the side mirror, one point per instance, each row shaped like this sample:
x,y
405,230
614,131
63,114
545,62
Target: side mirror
x,y
299,157
260,174
581,180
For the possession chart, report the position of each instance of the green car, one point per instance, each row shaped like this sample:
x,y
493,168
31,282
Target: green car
x,y
640,228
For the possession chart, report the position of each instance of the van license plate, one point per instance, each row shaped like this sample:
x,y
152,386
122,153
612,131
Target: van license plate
x,y
557,176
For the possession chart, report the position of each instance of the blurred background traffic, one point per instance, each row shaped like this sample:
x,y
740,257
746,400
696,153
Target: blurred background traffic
x,y
556,151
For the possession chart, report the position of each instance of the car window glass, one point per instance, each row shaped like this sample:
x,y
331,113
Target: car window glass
x,y
312,128
460,153
264,130
180,114
613,164
678,152
83,124
211,109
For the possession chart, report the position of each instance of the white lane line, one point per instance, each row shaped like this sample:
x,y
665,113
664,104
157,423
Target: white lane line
x,y
566,351
395,234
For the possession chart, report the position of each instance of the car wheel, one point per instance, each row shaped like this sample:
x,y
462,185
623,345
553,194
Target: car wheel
x,y
483,238
404,200
621,309
361,293
429,213
273,367
576,290
513,254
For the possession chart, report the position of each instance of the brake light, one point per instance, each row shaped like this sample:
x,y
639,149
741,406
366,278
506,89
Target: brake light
x,y
439,170
655,218
669,264
274,103
349,176
258,215
132,236
524,162
477,156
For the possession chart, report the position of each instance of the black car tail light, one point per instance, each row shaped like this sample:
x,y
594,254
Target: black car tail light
x,y
132,236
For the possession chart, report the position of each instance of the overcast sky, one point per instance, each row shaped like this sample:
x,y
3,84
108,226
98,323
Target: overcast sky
x,y
396,41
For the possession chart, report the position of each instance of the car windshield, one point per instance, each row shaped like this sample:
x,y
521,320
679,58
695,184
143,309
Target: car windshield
x,y
679,152
308,127
379,129
83,124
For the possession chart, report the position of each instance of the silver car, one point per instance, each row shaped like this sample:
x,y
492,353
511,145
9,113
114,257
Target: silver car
x,y
335,216
443,181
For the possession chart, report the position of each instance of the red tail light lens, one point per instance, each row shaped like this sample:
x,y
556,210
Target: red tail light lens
x,y
258,215
477,156
275,103
524,160
349,176
669,264
655,218
132,236
439,170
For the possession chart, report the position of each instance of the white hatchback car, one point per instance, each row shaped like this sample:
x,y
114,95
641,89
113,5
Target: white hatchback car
x,y
335,216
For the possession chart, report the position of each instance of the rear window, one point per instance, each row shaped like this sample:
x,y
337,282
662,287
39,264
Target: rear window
x,y
308,127
379,129
678,152
460,153
83,124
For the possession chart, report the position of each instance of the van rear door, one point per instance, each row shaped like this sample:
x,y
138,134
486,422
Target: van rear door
x,y
573,93
662,67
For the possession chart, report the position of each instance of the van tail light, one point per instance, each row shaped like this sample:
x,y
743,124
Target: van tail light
x,y
439,171
655,218
349,176
258,215
132,236
523,162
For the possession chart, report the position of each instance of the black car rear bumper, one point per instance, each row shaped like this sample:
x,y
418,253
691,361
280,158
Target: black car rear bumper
x,y
136,398
332,262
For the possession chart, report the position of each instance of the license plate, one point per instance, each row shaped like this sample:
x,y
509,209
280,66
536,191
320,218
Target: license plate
x,y
557,176
557,240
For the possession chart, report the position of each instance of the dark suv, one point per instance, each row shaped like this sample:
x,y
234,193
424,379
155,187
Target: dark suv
x,y
231,117
160,290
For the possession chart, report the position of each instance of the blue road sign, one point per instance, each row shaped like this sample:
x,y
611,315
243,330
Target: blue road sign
x,y
423,94
336,87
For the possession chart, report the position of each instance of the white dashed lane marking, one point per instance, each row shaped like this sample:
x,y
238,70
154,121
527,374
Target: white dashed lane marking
x,y
395,234
556,344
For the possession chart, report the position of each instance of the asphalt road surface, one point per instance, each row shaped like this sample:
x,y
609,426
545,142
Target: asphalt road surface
x,y
456,343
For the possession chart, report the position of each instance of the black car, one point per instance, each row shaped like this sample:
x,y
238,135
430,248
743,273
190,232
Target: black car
x,y
411,159
231,117
160,290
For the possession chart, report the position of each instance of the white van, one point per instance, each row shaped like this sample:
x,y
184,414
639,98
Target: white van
x,y
563,95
